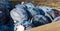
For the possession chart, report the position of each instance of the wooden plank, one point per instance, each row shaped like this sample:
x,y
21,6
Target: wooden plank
x,y
50,3
48,27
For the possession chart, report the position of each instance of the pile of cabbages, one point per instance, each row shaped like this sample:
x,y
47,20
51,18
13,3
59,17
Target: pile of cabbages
x,y
26,14
29,15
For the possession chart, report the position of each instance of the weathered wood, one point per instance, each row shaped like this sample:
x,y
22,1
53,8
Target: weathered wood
x,y
48,27
51,3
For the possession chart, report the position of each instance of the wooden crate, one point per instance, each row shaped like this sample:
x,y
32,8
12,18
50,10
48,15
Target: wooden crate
x,y
51,3
55,26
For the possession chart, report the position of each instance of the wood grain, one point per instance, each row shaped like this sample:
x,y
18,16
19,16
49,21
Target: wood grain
x,y
55,26
50,3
